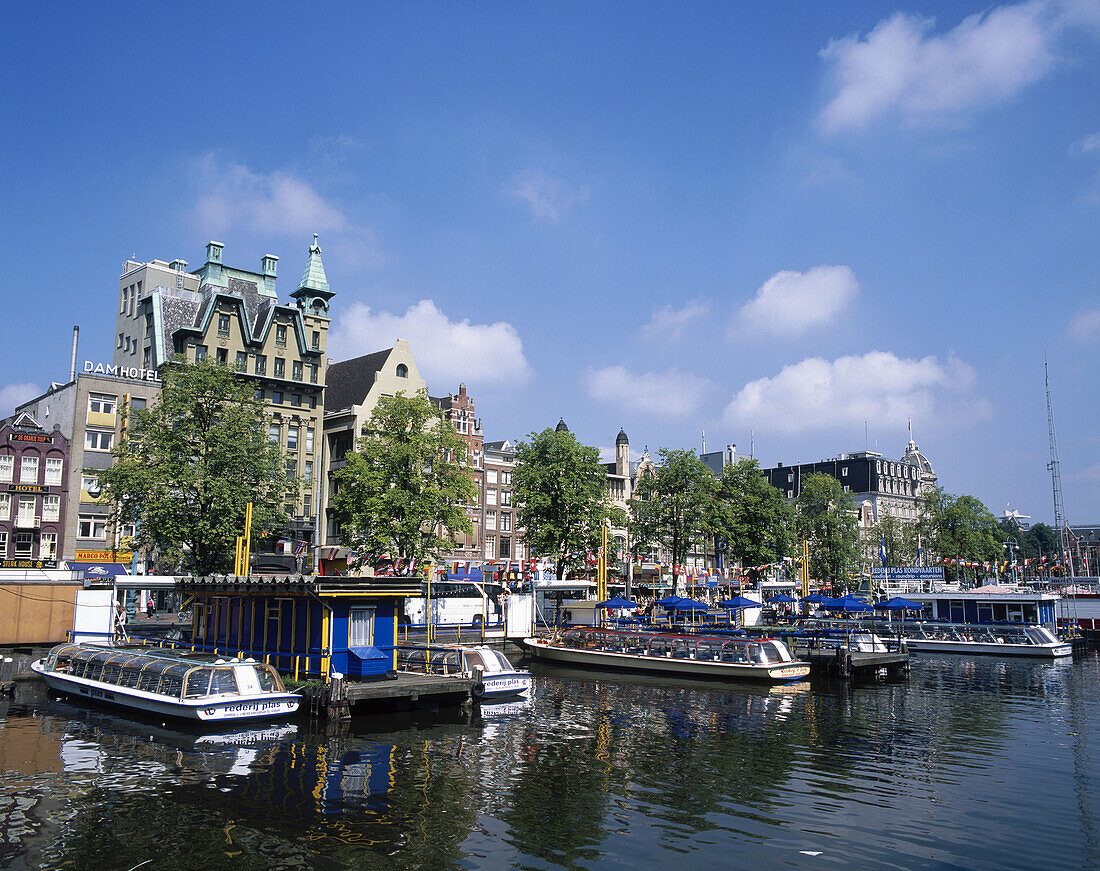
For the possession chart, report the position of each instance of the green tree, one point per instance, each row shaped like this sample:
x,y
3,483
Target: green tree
x,y
901,540
190,464
751,516
960,527
562,490
673,505
404,490
826,517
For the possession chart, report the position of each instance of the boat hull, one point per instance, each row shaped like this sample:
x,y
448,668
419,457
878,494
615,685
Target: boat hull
x,y
504,685
1046,651
707,670
266,706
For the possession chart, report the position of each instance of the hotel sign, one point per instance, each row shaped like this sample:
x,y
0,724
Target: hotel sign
x,y
121,557
134,373
28,488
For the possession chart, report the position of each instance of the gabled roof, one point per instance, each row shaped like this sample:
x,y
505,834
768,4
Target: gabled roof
x,y
24,419
348,382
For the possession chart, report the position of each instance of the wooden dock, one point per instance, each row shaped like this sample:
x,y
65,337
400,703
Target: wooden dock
x,y
406,692
847,664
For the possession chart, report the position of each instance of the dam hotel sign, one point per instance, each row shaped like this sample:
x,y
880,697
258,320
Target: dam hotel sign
x,y
134,373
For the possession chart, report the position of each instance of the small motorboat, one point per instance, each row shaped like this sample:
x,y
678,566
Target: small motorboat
x,y
499,679
190,686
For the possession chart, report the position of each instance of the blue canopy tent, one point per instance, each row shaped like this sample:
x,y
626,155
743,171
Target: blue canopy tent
x,y
781,599
739,603
688,605
669,601
815,599
899,604
852,604
615,603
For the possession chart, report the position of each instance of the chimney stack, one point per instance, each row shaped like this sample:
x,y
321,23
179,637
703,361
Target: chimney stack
x,y
72,363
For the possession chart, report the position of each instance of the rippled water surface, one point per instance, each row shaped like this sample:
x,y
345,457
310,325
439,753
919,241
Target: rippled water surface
x,y
968,764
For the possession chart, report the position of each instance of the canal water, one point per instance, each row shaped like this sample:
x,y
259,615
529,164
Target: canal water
x,y
970,764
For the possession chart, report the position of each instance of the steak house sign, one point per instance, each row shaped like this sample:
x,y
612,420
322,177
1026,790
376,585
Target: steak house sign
x,y
131,372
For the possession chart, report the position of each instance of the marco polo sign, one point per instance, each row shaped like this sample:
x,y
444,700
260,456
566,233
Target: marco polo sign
x,y
131,372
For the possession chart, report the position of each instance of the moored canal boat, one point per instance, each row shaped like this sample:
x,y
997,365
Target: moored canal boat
x,y
1005,639
697,656
499,679
195,687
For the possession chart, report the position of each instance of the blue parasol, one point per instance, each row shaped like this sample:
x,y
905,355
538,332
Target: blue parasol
x,y
616,603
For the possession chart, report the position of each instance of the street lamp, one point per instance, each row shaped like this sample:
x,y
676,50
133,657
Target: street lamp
x,y
1013,548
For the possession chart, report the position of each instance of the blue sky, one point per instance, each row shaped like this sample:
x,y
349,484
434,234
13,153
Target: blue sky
x,y
797,226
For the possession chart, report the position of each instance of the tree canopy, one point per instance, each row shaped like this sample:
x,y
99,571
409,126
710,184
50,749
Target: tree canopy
x,y
960,527
673,504
751,517
826,517
562,490
902,541
403,492
191,463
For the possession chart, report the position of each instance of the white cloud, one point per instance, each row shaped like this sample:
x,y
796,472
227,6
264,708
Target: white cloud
x,y
232,196
445,351
669,324
16,394
1090,475
878,386
668,394
1086,325
1086,144
791,303
901,66
548,198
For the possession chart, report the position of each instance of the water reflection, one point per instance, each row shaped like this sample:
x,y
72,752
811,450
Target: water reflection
x,y
591,770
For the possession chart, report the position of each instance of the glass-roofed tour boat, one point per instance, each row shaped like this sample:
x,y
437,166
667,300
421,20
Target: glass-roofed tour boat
x,y
191,686
698,656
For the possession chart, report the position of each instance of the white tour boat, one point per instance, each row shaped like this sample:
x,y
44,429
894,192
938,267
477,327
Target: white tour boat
x,y
1001,639
699,656
183,685
499,679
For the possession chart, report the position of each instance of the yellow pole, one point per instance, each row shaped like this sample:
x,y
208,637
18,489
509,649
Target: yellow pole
x,y
247,544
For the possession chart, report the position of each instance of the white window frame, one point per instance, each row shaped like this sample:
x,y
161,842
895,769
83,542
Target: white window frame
x,y
47,545
51,509
7,467
102,403
94,440
360,627
95,525
28,461
5,506
55,467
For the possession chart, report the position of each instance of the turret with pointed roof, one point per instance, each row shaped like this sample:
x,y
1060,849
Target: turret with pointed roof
x,y
313,292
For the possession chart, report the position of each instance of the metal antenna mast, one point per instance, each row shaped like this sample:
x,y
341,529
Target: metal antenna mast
x,y
1056,476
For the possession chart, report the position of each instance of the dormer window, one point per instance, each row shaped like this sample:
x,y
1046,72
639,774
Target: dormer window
x,y
280,335
402,370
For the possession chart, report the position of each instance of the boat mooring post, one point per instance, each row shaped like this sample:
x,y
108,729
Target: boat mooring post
x,y
337,706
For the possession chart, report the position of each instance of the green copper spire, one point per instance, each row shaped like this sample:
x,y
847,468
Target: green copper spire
x,y
314,277
313,293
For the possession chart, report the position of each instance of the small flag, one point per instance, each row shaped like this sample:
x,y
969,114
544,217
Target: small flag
x,y
882,550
